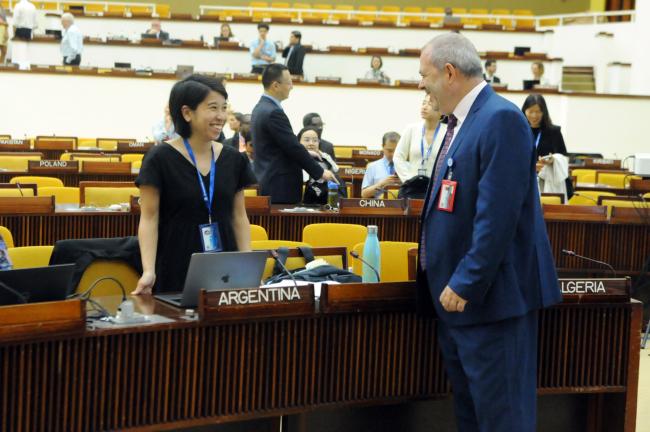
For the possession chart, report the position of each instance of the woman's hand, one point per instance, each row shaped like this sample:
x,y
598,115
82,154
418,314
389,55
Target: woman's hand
x,y
145,284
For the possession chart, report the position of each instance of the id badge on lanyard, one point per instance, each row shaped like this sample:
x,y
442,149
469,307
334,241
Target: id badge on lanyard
x,y
448,189
209,233
423,170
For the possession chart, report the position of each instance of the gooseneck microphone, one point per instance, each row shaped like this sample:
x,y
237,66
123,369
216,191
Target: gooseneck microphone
x,y
603,263
277,259
357,256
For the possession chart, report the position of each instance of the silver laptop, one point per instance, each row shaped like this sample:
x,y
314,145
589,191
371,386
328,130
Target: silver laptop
x,y
222,270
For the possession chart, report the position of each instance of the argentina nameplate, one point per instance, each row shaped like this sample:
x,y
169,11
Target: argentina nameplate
x,y
255,303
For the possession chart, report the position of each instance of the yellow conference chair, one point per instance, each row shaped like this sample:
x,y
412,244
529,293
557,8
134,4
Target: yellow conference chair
x,y
342,11
7,236
505,22
17,163
16,193
369,15
334,234
555,200
117,269
320,15
38,181
646,195
106,196
30,256
411,9
132,157
584,175
435,10
292,263
524,23
136,165
250,192
62,195
394,260
618,180
588,198
258,233
163,10
643,206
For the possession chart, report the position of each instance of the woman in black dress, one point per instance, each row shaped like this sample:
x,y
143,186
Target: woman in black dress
x,y
547,136
174,205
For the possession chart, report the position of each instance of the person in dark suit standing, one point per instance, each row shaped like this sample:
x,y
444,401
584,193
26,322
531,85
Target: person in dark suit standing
x,y
279,157
485,262
490,70
157,30
314,120
294,54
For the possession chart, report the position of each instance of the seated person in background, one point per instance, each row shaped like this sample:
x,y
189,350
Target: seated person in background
x,y
226,34
550,147
381,173
250,153
72,42
314,120
164,129
294,54
316,190
5,262
375,72
537,69
490,70
449,18
262,51
417,149
156,30
234,123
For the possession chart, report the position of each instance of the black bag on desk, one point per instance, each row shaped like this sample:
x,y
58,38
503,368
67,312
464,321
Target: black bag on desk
x,y
322,273
415,187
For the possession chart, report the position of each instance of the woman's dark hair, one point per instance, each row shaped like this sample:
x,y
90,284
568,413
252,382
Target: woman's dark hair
x,y
537,99
190,92
247,135
307,129
381,62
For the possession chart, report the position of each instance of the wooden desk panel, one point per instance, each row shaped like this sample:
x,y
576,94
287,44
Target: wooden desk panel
x,y
188,374
624,246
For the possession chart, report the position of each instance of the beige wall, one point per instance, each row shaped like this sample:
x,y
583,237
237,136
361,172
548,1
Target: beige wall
x,y
541,7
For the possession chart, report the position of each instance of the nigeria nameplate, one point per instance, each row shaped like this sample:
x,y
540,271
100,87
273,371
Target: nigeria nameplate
x,y
53,166
256,303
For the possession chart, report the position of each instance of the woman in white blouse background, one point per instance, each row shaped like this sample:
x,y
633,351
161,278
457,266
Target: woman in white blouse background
x,y
417,149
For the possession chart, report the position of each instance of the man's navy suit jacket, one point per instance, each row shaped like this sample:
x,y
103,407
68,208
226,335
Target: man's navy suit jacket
x,y
493,249
279,157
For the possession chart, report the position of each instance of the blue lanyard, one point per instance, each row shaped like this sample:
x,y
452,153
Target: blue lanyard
x,y
435,134
539,135
213,169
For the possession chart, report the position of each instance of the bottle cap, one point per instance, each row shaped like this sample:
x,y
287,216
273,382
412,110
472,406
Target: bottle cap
x,y
372,229
332,185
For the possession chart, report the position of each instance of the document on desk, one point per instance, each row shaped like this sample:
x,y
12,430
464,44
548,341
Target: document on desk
x,y
289,283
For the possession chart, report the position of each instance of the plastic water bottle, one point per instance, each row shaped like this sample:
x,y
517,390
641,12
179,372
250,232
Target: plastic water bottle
x,y
332,195
372,255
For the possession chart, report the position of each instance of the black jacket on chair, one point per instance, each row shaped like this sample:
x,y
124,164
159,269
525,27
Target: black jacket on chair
x,y
279,157
550,142
294,63
83,252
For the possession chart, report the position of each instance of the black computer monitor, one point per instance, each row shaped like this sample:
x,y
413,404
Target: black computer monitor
x,y
37,284
529,84
122,65
148,36
521,51
56,33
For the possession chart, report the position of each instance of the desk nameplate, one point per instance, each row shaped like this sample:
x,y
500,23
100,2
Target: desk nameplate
x,y
371,205
55,143
42,320
133,147
365,297
581,290
13,145
256,303
52,166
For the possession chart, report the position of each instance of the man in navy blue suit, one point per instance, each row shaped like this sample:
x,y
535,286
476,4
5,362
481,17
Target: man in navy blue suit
x,y
279,157
486,266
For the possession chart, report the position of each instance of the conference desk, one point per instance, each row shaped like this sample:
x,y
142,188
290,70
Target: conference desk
x,y
624,243
187,372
